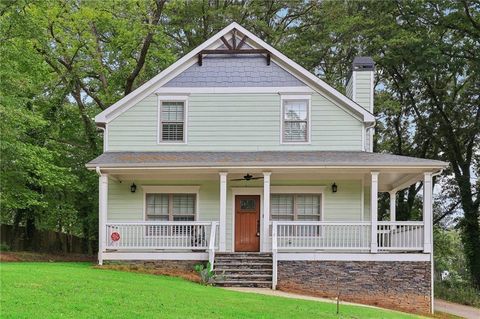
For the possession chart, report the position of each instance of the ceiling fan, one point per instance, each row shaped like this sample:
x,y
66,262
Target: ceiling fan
x,y
247,177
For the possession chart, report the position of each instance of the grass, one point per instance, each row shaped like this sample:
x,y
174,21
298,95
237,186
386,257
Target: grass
x,y
77,290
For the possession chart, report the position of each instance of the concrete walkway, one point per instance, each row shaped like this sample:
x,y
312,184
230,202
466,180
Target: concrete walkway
x,y
456,309
278,293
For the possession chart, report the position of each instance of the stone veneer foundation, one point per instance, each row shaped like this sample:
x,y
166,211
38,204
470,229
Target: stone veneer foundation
x,y
397,285
182,265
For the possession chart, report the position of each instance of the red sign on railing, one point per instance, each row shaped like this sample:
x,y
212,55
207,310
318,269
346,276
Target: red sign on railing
x,y
115,236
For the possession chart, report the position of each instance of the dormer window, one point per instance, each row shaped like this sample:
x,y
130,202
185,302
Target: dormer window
x,y
172,115
295,120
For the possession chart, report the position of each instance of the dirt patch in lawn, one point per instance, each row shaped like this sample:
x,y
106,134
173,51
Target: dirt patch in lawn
x,y
188,275
24,256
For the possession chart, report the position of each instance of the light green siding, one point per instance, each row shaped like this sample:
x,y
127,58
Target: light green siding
x,y
363,87
124,205
234,122
345,205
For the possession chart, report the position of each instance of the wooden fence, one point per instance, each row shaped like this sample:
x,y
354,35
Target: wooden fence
x,y
45,241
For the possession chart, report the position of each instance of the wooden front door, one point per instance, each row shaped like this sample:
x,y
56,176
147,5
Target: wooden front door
x,y
247,223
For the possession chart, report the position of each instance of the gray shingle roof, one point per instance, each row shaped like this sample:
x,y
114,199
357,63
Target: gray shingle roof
x,y
234,71
263,159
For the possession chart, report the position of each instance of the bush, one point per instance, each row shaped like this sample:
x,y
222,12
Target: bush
x,y
4,247
207,276
458,292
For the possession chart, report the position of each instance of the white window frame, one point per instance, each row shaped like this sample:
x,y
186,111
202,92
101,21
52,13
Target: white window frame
x,y
172,98
150,189
301,190
308,98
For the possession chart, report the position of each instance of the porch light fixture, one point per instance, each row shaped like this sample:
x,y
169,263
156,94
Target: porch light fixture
x,y
133,188
334,187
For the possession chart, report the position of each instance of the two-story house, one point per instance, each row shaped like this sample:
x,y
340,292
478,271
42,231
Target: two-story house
x,y
237,155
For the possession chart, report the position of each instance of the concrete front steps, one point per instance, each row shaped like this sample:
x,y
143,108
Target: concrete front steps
x,y
243,270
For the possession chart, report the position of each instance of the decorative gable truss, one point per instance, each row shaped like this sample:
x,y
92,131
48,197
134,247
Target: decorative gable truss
x,y
266,67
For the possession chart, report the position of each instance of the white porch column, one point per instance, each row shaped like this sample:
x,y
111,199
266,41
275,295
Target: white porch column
x,y
266,210
223,212
102,215
427,212
374,211
393,206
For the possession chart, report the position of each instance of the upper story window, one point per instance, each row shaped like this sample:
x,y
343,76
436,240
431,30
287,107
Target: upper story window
x,y
295,120
172,119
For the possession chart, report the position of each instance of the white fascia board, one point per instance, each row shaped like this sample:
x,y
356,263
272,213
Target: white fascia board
x,y
150,86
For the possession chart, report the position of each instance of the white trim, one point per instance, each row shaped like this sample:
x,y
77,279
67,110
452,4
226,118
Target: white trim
x,y
173,98
105,138
298,189
154,256
374,211
353,257
362,208
372,91
245,191
164,189
150,86
193,189
266,212
102,214
222,238
366,167
354,86
308,98
393,206
225,90
427,212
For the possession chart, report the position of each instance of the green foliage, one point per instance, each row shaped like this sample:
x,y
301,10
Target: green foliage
x,y
449,256
46,290
462,293
4,247
207,276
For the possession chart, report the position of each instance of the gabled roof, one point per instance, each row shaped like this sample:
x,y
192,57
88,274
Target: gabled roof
x,y
262,158
166,75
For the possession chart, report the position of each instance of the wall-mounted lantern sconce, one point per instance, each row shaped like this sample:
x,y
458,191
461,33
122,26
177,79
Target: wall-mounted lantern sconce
x,y
334,188
133,188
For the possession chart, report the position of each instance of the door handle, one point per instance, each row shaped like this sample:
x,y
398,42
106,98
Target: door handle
x,y
258,228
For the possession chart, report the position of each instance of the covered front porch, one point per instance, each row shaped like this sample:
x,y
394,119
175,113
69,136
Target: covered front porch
x,y
333,211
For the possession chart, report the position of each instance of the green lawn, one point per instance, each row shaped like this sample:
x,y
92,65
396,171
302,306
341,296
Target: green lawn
x,y
76,290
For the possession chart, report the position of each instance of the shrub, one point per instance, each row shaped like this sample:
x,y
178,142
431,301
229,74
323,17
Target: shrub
x,y
459,292
4,247
207,276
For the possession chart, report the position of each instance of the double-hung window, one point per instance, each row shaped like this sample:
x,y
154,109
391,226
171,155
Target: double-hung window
x,y
297,207
170,207
291,207
295,121
172,116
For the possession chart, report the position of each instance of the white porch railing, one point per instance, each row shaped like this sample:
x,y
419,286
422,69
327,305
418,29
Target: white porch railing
x,y
404,236
161,235
322,235
346,236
